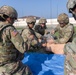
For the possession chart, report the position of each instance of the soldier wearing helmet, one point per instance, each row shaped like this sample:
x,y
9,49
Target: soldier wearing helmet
x,y
71,6
12,13
30,20
63,19
29,34
41,27
64,28
12,46
69,49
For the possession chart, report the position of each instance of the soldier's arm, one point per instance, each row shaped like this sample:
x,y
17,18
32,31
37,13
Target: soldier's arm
x,y
29,37
26,35
67,36
39,36
16,39
55,29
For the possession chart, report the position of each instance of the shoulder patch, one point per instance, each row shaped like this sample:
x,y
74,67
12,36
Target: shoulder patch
x,y
14,33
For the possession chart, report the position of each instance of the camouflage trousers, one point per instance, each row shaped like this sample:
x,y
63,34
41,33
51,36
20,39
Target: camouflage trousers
x,y
15,68
70,62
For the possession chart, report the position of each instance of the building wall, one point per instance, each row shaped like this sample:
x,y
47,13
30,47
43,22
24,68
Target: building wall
x,y
50,22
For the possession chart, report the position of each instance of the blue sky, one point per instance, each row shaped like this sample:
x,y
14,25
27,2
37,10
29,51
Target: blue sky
x,y
40,8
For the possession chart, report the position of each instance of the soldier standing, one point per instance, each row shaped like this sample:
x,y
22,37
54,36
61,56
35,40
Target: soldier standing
x,y
41,27
70,48
64,28
11,44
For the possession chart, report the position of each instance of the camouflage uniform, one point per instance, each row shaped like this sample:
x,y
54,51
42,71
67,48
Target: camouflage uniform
x,y
27,31
71,6
70,63
65,32
69,49
12,45
38,28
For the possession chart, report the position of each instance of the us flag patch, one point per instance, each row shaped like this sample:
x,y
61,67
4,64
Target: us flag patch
x,y
14,33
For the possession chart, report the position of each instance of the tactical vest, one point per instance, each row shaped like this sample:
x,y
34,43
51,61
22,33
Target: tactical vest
x,y
31,31
7,51
61,35
35,47
40,29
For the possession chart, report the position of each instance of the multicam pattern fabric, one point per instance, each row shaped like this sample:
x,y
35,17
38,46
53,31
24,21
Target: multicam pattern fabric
x,y
30,19
12,48
70,63
71,4
63,18
9,11
15,68
42,20
70,48
26,33
65,33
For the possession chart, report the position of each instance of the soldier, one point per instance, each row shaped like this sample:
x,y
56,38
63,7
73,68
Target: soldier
x,y
28,32
64,28
69,49
41,27
11,44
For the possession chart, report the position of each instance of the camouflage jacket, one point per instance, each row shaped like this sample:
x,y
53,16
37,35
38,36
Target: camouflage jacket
x,y
70,63
11,43
65,33
26,36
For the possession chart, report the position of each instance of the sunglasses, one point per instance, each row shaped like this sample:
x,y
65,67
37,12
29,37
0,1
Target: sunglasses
x,y
61,23
42,23
31,23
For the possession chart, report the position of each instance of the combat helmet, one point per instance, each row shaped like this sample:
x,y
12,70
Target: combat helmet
x,y
8,11
71,5
42,20
63,18
30,20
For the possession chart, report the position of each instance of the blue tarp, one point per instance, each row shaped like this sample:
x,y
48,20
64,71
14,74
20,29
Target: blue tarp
x,y
45,64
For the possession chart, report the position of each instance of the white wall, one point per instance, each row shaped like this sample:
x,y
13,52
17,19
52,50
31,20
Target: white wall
x,y
50,22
